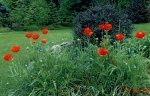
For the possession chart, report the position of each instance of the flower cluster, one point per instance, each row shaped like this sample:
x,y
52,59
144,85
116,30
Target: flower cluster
x,y
107,27
16,48
37,36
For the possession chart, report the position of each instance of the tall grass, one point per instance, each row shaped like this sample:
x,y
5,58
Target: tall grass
x,y
80,72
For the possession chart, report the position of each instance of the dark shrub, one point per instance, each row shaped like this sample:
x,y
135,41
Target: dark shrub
x,y
4,14
138,11
100,15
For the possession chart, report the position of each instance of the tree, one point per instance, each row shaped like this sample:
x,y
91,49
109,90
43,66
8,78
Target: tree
x,y
70,8
65,14
56,2
4,14
28,15
53,18
38,12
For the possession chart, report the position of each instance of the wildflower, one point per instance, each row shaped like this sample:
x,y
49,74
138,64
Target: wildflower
x,y
102,52
8,57
15,49
44,31
35,36
119,37
44,41
29,35
108,27
27,48
88,31
102,27
140,35
78,39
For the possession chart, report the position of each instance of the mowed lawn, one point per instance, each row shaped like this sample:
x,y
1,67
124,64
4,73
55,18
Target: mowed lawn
x,y
143,27
9,39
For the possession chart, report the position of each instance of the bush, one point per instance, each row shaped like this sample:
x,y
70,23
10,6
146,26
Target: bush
x,y
38,12
53,14
29,13
4,14
138,11
100,15
65,14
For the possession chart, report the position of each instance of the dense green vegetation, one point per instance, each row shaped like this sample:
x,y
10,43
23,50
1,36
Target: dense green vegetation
x,y
96,16
17,38
34,14
138,11
107,54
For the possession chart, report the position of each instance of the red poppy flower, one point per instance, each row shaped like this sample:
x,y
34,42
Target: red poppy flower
x,y
15,49
119,37
108,27
8,57
88,32
44,41
29,35
140,34
102,27
45,31
35,36
102,52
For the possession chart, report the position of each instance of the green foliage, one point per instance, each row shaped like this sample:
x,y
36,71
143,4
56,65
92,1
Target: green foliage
x,y
65,14
32,13
95,16
28,15
24,13
138,11
4,13
53,14
84,5
69,9
73,71
38,12
121,4
81,72
145,47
